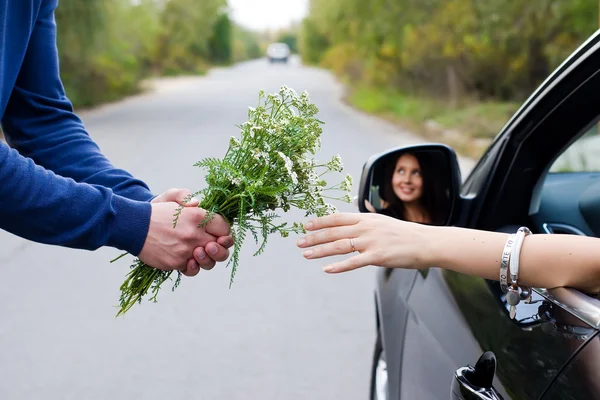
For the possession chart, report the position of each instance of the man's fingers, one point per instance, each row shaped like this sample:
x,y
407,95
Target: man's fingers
x,y
216,252
225,241
181,195
203,259
329,221
193,202
178,196
192,268
327,236
217,226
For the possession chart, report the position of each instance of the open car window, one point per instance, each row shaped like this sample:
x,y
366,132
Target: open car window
x,y
581,156
569,201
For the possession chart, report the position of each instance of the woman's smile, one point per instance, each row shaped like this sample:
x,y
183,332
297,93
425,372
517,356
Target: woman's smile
x,y
407,189
407,180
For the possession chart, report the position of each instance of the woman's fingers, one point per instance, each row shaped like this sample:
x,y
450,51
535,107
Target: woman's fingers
x,y
333,220
336,248
352,263
381,241
327,236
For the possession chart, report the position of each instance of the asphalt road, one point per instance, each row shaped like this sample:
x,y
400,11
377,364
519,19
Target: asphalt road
x,y
285,330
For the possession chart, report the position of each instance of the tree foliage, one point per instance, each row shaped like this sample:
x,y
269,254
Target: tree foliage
x,y
106,47
289,38
481,48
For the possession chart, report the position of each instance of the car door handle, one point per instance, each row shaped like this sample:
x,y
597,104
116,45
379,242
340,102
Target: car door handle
x,y
475,383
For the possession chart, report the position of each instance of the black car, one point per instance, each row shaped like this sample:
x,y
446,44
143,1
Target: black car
x,y
445,335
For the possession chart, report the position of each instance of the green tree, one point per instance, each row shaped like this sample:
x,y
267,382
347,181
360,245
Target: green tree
x,y
221,41
105,47
245,44
480,48
290,39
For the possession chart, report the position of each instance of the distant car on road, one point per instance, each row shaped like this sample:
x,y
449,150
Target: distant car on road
x,y
278,52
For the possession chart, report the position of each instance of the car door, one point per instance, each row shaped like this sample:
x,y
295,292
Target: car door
x,y
574,314
454,318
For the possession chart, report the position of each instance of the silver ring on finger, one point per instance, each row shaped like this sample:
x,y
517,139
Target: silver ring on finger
x,y
352,245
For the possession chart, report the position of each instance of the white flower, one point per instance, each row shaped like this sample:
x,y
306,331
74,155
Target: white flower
x,y
347,183
336,164
289,165
257,154
234,142
279,199
330,208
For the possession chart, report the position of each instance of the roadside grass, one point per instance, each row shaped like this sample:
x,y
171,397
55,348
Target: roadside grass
x,y
468,128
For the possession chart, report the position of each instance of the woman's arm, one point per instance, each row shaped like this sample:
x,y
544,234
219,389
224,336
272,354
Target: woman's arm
x,y
545,261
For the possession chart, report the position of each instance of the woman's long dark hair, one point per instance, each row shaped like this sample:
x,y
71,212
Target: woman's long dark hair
x,y
434,199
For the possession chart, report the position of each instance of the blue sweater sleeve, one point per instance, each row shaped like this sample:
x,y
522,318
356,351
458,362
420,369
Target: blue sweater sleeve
x,y
40,123
41,206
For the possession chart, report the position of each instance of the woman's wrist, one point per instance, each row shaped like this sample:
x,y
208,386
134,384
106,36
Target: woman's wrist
x,y
545,260
431,253
463,250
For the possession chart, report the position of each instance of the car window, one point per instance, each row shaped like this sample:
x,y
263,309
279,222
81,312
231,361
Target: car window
x,y
581,156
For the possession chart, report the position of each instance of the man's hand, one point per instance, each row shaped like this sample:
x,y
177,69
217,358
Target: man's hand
x,y
178,196
169,248
207,254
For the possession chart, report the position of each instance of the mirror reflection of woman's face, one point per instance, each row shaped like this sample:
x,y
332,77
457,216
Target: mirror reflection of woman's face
x,y
407,180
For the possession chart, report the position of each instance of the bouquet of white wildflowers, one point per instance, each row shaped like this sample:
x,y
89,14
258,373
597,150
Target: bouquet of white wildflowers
x,y
271,167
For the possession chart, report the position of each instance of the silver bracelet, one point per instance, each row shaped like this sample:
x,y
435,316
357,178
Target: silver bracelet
x,y
516,253
513,296
506,253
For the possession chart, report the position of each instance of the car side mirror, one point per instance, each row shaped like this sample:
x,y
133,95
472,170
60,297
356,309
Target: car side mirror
x,y
434,182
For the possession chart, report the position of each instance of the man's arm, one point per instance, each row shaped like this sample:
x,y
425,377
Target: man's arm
x,y
43,207
39,120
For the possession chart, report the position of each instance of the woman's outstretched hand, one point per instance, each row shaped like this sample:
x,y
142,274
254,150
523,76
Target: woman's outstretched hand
x,y
373,239
377,240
